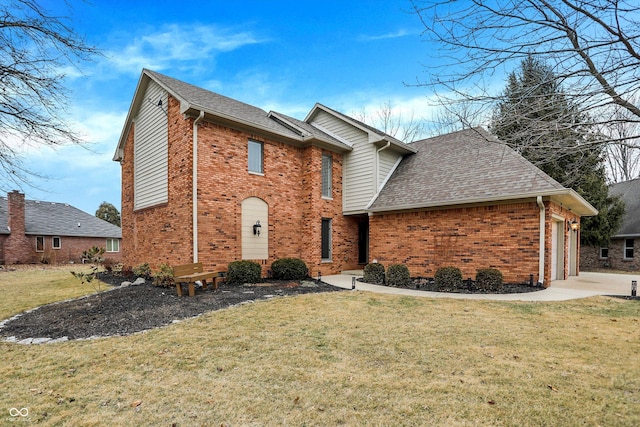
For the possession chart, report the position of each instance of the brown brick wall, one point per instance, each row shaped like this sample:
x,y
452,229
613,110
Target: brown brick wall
x,y
290,185
17,246
590,257
505,237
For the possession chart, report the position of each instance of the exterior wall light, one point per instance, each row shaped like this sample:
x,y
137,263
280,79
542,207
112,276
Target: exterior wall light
x,y
573,225
256,228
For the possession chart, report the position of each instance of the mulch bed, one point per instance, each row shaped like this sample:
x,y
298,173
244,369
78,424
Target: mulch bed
x,y
127,310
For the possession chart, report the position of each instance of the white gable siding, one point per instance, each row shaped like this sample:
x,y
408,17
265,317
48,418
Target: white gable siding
x,y
386,161
358,175
151,149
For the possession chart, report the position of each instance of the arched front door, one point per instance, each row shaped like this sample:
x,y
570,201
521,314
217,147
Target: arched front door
x,y
255,229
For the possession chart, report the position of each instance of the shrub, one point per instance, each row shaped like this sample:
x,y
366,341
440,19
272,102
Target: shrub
x,y
164,276
142,270
374,273
109,264
240,272
448,279
398,275
289,269
489,279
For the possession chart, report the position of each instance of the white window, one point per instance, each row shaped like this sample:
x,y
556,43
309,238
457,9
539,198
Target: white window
x,y
56,243
604,253
39,243
326,240
326,175
113,245
256,151
628,248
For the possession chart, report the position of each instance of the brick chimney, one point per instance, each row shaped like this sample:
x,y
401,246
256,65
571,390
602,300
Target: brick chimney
x,y
18,247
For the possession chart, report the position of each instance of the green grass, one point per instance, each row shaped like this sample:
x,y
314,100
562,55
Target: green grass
x,y
349,358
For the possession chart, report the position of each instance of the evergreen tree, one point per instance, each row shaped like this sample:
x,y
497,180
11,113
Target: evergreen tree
x,y
109,213
536,119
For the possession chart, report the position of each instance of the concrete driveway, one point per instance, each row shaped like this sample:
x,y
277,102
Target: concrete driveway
x,y
583,286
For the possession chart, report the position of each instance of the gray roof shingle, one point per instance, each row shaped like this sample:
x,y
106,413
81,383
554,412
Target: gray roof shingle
x,y
630,192
467,166
59,219
214,103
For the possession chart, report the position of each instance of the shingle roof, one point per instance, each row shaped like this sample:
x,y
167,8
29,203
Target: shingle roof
x,y
211,102
59,219
630,192
469,166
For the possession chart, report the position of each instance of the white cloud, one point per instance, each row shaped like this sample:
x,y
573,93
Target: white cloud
x,y
179,43
385,36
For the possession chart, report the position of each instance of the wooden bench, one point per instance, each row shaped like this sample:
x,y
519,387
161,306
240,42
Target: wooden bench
x,y
190,274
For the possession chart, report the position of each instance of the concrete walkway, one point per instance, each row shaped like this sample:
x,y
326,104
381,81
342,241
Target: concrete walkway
x,y
583,286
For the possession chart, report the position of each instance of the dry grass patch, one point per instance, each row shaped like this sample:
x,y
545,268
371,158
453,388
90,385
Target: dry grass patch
x,y
27,287
346,359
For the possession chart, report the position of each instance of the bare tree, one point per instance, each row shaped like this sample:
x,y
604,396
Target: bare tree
x,y
393,123
35,48
593,47
623,158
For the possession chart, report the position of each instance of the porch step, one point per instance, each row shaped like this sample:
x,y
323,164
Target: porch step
x,y
353,272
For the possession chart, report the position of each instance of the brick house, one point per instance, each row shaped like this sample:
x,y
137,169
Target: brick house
x,y
622,252
206,178
34,231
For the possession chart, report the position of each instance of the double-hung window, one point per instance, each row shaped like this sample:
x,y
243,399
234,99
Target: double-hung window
x,y
56,243
628,248
256,155
326,176
113,245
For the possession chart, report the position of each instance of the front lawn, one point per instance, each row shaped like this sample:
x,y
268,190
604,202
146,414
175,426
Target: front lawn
x,y
345,358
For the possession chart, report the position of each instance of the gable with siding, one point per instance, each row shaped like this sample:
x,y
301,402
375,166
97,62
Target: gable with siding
x,y
151,148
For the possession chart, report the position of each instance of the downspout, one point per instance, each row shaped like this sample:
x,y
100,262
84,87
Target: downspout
x,y
194,189
542,226
378,164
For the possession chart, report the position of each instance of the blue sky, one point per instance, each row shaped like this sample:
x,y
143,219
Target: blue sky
x,y
279,55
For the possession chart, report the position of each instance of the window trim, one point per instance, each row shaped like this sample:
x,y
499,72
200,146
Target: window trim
x,y
604,256
261,145
112,240
626,248
53,242
38,240
327,168
329,243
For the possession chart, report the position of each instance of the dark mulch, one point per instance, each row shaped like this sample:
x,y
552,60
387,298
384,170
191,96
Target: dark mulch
x,y
126,310
469,287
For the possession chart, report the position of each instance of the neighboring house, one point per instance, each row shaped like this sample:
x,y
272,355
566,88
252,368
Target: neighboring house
x,y
623,251
34,231
209,179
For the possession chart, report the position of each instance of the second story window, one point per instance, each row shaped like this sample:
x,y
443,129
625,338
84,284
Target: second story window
x,y
326,176
256,157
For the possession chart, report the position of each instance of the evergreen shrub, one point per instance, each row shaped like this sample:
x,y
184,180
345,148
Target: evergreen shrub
x,y
374,273
289,269
240,272
448,279
489,279
398,276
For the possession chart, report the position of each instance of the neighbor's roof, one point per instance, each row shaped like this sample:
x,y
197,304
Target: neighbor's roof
x,y
630,193
466,167
59,219
225,110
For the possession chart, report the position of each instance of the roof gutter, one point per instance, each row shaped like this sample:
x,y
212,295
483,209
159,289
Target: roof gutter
x,y
194,189
542,248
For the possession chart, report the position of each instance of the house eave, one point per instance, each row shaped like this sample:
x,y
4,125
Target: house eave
x,y
566,197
